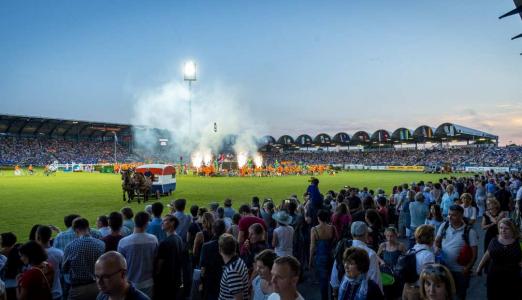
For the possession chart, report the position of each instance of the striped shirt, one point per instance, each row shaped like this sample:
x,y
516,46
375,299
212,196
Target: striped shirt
x,y
234,280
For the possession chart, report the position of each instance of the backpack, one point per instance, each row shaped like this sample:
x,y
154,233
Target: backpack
x,y
338,252
406,267
466,253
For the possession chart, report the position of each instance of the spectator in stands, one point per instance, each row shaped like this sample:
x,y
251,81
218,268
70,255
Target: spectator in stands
x,y
285,276
262,285
37,281
54,258
65,237
139,250
115,224
80,255
155,224
436,283
102,224
451,238
172,255
212,263
111,277
128,220
357,284
234,280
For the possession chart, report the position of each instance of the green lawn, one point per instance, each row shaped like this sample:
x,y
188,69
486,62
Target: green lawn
x,y
28,200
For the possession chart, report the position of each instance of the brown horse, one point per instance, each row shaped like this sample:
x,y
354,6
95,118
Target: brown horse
x,y
141,186
127,185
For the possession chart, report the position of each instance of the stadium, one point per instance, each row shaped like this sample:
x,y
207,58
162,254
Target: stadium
x,y
262,151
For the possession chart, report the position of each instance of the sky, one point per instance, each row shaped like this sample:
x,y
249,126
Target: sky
x,y
296,66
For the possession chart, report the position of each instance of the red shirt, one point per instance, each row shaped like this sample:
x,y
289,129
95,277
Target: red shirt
x,y
38,285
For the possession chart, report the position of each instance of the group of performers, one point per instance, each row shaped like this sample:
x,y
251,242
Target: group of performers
x,y
283,168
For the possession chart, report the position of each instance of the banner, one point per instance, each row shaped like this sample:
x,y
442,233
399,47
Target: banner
x,y
406,168
485,169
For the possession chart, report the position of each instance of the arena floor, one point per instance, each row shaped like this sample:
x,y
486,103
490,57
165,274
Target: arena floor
x,y
28,200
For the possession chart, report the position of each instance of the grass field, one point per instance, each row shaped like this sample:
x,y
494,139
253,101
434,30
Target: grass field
x,y
37,199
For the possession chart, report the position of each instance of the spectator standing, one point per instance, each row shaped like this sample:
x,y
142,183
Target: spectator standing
x,y
254,244
356,284
247,219
102,224
285,276
452,237
212,263
283,236
480,197
111,277
184,220
504,197
13,264
128,221
341,219
80,255
436,283
172,255
229,211
435,218
203,236
37,281
262,285
139,250
490,220
448,199
470,212
391,249
115,223
322,237
504,281
65,237
234,280
155,225
418,211
54,258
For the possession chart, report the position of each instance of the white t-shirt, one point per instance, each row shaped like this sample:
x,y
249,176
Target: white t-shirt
x,y
519,194
470,212
275,296
453,242
285,240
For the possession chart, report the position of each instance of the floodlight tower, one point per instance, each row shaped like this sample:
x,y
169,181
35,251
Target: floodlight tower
x,y
189,75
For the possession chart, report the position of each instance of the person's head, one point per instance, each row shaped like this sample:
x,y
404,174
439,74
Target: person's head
x,y
220,213
115,221
32,233
228,202
256,233
466,199
507,229
207,220
323,216
141,220
381,201
436,283
359,230
169,223
368,203
455,215
493,205
245,210
227,245
264,261
43,235
425,234
419,197
255,201
80,226
102,221
127,213
450,188
236,218
435,212
341,209
356,262
110,272
285,274
157,209
373,218
32,253
194,210
68,220
391,234
7,239
218,228
179,204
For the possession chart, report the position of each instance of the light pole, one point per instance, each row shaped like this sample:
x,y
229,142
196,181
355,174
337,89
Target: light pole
x,y
189,74
115,141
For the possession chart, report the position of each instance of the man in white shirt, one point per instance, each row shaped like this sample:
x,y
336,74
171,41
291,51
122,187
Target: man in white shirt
x,y
285,275
360,236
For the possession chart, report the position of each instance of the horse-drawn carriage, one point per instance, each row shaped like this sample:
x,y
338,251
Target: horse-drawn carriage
x,y
146,180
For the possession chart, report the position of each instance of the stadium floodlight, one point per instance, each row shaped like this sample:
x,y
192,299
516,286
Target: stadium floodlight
x,y
189,71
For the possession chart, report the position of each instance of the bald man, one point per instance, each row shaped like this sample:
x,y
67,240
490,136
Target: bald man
x,y
111,276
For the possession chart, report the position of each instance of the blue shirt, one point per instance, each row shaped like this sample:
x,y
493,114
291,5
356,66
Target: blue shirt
x,y
65,237
491,188
418,213
229,212
184,224
155,229
139,249
79,259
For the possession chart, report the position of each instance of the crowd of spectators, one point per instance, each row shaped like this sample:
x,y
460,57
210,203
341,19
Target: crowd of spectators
x,y
351,241
456,157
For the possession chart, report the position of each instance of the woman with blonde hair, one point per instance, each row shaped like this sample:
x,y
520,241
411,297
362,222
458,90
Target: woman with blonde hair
x,y
436,283
490,220
203,236
505,255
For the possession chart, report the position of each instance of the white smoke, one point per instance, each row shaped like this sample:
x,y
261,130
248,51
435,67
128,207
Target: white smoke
x,y
216,113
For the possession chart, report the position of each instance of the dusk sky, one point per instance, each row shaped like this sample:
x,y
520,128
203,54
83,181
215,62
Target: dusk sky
x,y
298,66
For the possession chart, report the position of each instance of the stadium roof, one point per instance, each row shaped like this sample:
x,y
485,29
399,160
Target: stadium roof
x,y
39,126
